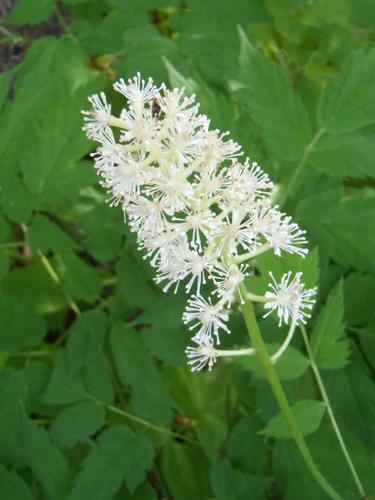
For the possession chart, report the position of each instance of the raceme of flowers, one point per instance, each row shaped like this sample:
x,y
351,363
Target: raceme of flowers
x,y
198,211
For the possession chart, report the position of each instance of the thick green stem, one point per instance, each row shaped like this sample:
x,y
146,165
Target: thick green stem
x,y
331,415
278,391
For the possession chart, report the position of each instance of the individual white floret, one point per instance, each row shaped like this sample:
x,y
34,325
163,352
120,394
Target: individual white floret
x,y
201,356
234,233
148,217
289,299
247,182
96,120
170,185
226,278
137,90
197,224
207,319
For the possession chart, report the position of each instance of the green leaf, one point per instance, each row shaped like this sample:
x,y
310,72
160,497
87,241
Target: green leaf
x,y
136,368
20,327
208,33
12,411
345,154
12,486
308,414
291,365
65,385
52,83
111,224
47,463
30,12
166,335
194,482
268,261
347,102
77,423
4,229
329,349
81,280
46,236
119,456
358,298
34,285
344,228
16,201
246,449
4,264
81,370
230,484
273,104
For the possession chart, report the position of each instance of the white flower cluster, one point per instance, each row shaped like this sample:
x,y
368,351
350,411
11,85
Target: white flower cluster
x,y
197,211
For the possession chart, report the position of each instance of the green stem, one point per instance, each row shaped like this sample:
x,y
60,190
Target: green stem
x,y
150,425
55,277
13,244
278,391
331,415
297,172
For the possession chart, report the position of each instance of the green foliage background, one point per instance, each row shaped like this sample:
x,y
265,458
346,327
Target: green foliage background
x,y
95,399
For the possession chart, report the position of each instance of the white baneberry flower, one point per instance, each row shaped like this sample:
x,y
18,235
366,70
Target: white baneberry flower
x,y
207,319
227,277
286,236
96,120
235,232
197,223
188,264
169,183
247,182
201,356
289,299
197,211
136,90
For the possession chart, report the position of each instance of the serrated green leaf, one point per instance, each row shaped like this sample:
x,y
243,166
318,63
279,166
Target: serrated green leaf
x,y
341,155
136,368
77,423
269,96
329,349
308,414
347,102
65,385
230,484
20,327
80,280
208,33
81,370
166,336
12,486
30,12
344,228
46,236
47,463
119,456
34,285
111,223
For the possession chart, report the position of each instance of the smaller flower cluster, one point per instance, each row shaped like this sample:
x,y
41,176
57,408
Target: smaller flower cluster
x,y
198,211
